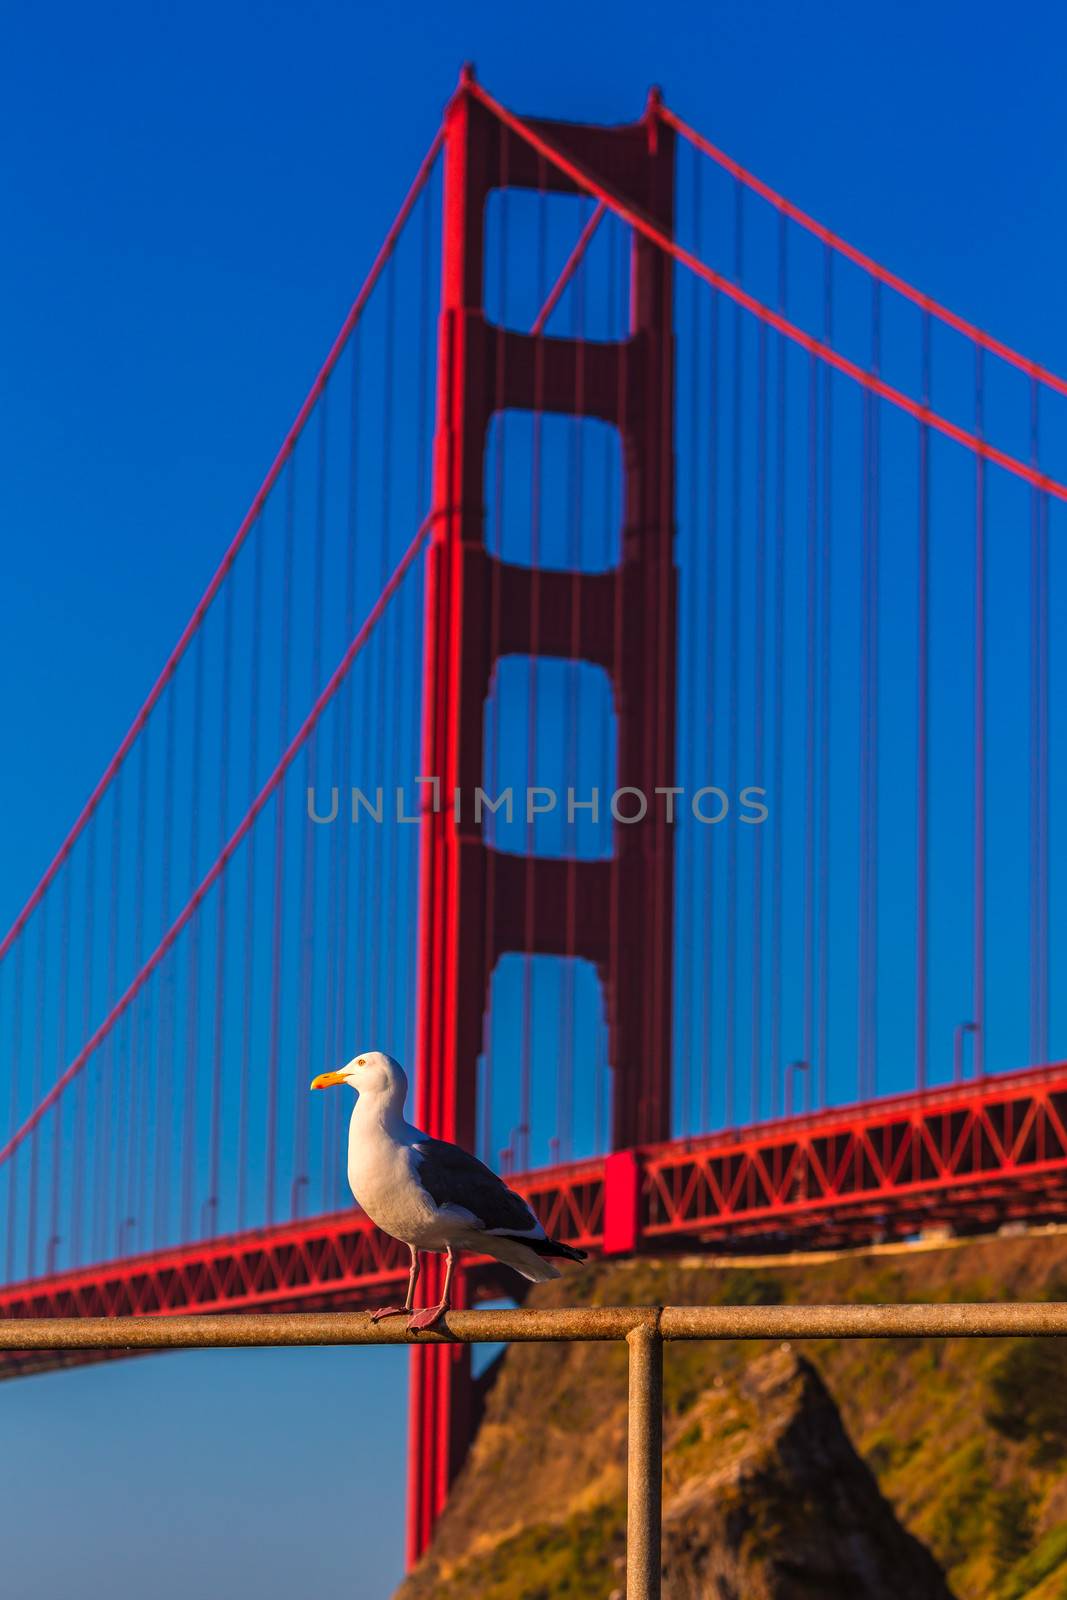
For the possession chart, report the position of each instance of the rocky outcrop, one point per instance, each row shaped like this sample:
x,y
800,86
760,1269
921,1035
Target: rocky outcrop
x,y
765,1499
862,1468
792,1513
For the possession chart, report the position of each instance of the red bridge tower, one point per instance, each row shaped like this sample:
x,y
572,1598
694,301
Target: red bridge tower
x,y
477,903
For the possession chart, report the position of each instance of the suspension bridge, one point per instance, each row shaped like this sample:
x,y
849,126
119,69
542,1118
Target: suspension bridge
x,y
628,700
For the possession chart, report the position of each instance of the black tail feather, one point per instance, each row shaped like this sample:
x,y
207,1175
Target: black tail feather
x,y
549,1247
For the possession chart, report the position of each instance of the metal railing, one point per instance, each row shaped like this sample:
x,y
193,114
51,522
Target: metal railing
x,y
644,1328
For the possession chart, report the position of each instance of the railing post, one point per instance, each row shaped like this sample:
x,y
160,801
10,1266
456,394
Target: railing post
x,y
644,1463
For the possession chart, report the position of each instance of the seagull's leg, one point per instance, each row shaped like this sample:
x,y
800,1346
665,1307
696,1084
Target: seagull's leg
x,y
431,1315
413,1278
408,1306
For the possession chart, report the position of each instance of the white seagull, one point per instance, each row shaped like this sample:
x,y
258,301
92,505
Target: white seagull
x,y
431,1194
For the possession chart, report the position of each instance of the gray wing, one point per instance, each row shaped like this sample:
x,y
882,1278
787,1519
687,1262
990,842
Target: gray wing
x,y
451,1176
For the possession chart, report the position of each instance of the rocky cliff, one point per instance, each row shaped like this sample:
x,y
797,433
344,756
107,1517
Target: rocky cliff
x,y
867,1469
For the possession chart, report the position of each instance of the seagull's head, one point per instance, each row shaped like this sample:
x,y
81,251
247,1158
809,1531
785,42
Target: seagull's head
x,y
372,1072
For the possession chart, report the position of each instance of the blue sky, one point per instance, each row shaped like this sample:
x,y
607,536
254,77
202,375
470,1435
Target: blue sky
x,y
189,200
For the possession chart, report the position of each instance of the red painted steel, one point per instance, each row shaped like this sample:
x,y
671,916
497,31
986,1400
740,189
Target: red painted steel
x,y
622,1202
971,1156
477,904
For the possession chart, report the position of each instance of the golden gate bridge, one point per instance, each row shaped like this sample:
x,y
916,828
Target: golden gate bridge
x,y
683,575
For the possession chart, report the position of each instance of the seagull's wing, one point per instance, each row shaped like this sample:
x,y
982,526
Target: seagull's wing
x,y
453,1177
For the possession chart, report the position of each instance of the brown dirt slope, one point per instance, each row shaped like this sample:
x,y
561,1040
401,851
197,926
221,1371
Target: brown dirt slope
x,y
966,1441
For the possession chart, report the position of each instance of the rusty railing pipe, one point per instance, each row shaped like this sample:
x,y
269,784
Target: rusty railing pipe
x,y
595,1323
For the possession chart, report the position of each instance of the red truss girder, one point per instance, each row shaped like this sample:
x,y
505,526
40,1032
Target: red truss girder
x,y
962,1153
339,1260
972,1155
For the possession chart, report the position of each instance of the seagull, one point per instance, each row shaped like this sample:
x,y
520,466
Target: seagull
x,y
431,1194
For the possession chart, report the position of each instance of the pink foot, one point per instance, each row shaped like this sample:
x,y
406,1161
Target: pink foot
x,y
388,1311
428,1317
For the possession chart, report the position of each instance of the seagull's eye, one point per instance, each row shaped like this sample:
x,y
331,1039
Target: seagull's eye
x,y
362,1062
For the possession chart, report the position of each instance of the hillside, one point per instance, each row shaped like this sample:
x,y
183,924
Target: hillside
x,y
965,1440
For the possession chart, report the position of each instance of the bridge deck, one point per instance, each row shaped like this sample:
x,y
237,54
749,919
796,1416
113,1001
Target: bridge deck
x,y
971,1155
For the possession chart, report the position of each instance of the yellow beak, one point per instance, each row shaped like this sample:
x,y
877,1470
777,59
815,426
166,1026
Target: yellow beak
x,y
326,1080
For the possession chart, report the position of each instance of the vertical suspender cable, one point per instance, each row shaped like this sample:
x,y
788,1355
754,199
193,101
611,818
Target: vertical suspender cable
x,y
278,912
363,837
979,956
1044,878
340,857
248,973
62,1019
779,688
922,780
140,1210
758,717
163,1084
734,730
78,1198
218,1024
864,755
1038,750
132,1214
810,674
339,1049
308,874
1035,742
380,972
872,910
868,727
106,1155
425,491
424,495
822,1049
708,941
330,1055
401,605
38,1071
192,1033
16,1054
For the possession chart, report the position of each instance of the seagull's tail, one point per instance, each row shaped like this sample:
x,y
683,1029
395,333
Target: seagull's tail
x,y
556,1247
528,1256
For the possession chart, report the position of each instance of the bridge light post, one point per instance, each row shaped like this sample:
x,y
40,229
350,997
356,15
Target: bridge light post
x,y
790,1083
299,1182
957,1047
